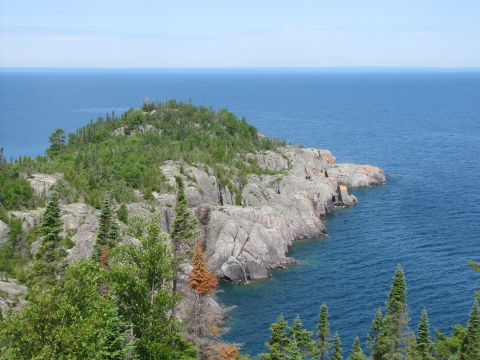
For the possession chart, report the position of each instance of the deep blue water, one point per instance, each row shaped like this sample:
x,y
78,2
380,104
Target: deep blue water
x,y
422,127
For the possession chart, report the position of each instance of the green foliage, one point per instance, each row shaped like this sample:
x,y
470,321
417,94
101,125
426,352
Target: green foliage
x,y
337,348
15,252
95,160
470,347
113,233
141,277
476,267
423,341
357,353
12,259
123,214
377,341
303,338
57,142
448,347
61,322
103,233
279,341
15,191
292,350
393,337
185,225
323,332
47,263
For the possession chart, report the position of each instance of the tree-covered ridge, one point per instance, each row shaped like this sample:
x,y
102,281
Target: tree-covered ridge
x,y
120,154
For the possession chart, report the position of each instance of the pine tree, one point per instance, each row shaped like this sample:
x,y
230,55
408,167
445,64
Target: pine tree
x,y
103,230
292,350
392,340
278,341
357,353
470,348
57,141
302,337
202,280
323,332
423,341
337,348
46,266
113,233
185,225
375,340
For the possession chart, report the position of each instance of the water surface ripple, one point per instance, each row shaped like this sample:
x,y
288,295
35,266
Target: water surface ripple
x,y
425,128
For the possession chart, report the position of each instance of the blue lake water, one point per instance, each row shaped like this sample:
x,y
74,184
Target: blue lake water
x,y
423,128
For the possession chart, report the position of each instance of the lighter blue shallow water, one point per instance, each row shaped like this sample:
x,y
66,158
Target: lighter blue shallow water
x,y
422,127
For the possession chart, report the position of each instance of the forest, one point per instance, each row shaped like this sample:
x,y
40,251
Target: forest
x,y
122,302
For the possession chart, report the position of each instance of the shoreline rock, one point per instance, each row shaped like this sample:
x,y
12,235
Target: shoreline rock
x,y
242,243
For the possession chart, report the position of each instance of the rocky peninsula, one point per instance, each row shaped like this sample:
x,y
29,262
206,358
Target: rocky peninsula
x,y
242,242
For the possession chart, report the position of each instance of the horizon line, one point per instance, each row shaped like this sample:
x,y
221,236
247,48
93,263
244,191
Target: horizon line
x,y
259,68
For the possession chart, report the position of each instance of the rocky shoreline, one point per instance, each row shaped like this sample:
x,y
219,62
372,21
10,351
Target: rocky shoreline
x,y
244,242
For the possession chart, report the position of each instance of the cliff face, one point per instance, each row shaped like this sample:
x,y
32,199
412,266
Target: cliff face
x,y
243,242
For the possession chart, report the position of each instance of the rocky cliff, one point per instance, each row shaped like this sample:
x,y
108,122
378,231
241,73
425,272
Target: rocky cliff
x,y
242,242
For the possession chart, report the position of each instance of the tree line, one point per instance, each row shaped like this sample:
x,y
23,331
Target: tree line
x,y
118,154
390,337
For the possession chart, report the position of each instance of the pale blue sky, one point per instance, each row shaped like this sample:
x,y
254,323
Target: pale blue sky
x,y
262,33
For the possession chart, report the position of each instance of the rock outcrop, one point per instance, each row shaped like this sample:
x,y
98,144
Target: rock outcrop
x,y
242,242
3,233
10,295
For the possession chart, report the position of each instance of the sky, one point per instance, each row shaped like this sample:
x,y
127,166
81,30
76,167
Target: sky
x,y
232,33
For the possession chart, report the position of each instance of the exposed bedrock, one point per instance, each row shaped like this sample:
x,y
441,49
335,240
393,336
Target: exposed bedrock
x,y
242,242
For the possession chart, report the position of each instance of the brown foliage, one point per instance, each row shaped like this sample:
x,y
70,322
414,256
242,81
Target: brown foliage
x,y
202,279
222,351
215,330
105,257
203,213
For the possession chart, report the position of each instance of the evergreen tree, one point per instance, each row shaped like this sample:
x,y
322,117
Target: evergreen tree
x,y
357,353
202,280
337,348
470,348
392,339
113,234
57,142
103,230
278,341
303,338
46,266
423,341
323,332
292,350
185,225
375,342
